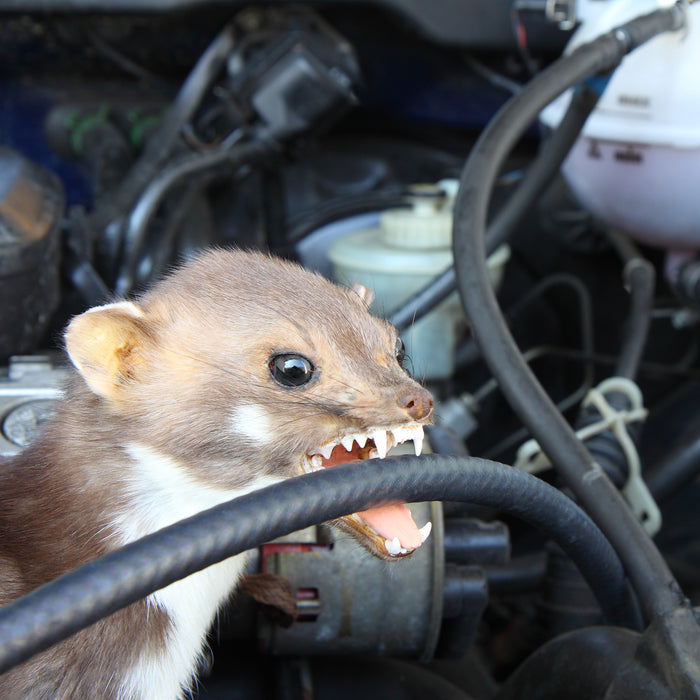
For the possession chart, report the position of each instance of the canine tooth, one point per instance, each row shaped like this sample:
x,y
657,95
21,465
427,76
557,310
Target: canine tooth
x,y
361,440
393,546
380,442
347,442
418,440
316,461
425,531
326,450
418,445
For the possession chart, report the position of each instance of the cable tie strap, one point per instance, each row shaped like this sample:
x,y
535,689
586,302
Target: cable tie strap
x,y
530,457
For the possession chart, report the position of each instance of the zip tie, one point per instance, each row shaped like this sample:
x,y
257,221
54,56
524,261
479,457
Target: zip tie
x,y
530,457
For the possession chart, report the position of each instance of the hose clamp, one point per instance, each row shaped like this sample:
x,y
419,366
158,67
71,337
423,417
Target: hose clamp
x,y
530,457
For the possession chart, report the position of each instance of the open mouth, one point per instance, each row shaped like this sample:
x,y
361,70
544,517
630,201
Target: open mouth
x,y
390,530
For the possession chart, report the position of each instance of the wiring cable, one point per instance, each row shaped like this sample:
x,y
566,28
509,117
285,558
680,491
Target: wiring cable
x,y
163,142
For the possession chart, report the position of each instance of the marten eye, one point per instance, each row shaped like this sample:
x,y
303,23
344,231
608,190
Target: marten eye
x,y
290,370
400,351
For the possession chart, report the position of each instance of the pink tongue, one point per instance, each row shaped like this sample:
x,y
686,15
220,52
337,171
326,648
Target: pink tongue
x,y
393,521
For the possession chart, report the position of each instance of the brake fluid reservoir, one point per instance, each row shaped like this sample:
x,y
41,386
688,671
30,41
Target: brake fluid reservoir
x,y
635,165
396,259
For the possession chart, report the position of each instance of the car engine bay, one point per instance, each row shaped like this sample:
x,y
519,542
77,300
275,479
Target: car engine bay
x,y
524,211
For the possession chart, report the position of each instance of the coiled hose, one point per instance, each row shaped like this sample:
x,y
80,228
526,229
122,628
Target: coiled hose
x,y
658,592
83,596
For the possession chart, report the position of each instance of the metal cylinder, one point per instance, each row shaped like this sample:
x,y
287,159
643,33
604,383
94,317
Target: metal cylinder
x,y
352,602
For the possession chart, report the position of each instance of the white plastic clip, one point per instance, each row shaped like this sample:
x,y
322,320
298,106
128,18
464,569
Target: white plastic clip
x,y
531,459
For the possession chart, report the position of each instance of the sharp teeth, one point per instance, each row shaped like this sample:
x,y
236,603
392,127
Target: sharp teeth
x,y
425,531
326,450
316,461
361,440
393,546
373,454
404,433
399,434
380,442
418,440
347,442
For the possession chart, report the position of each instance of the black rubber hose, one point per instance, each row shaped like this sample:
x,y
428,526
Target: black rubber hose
x,y
677,471
83,596
424,301
640,279
658,591
543,169
522,574
538,177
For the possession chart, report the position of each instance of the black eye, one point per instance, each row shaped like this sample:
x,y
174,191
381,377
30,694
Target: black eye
x,y
400,351
291,370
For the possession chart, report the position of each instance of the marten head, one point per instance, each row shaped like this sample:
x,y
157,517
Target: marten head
x,y
239,365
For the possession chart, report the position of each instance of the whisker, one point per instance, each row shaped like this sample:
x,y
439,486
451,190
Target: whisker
x,y
349,386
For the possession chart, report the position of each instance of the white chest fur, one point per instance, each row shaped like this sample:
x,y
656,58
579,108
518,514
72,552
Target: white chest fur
x,y
163,493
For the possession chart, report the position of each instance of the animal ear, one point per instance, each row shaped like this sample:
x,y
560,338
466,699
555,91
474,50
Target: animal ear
x,y
106,346
365,293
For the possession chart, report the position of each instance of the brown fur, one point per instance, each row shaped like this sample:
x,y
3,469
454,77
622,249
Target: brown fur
x,y
166,373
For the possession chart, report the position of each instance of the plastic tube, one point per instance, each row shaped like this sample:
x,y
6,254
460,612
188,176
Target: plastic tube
x,y
81,597
654,583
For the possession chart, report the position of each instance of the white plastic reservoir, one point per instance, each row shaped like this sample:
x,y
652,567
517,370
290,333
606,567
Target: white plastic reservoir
x,y
637,162
409,248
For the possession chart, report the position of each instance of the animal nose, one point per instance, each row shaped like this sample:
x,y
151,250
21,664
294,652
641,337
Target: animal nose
x,y
418,403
